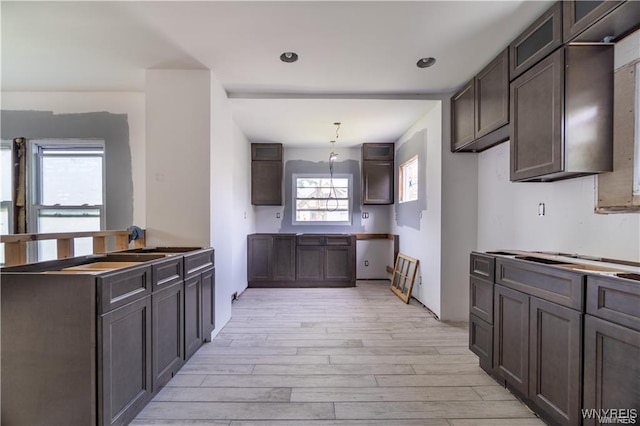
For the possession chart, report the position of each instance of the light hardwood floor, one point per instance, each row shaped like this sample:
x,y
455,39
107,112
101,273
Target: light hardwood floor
x,y
353,356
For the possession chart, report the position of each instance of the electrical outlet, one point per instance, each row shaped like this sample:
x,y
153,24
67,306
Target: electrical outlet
x,y
541,209
420,280
366,263
278,215
365,215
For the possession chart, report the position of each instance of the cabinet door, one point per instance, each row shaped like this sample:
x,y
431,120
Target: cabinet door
x,y
258,257
579,15
537,41
492,96
611,367
378,151
463,117
511,337
283,262
481,341
208,304
377,182
310,263
168,334
537,108
555,379
266,152
266,183
481,299
192,315
338,264
124,362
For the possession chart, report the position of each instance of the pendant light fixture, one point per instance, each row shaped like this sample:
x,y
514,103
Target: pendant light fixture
x,y
332,158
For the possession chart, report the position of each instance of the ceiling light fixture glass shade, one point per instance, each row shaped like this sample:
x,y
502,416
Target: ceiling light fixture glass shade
x,y
425,62
289,57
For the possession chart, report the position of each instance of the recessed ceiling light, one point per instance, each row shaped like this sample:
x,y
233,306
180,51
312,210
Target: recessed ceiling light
x,y
289,57
425,62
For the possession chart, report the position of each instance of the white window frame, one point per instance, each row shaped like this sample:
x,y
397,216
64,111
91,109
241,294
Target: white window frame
x,y
636,167
35,149
7,144
402,180
294,185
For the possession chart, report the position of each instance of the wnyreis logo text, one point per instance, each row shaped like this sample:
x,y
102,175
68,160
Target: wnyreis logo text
x,y
626,416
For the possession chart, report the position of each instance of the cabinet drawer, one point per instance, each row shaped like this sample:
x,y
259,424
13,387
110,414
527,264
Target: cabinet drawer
x,y
119,288
166,272
482,266
614,299
481,341
555,285
537,41
378,151
266,152
339,241
481,299
310,240
195,262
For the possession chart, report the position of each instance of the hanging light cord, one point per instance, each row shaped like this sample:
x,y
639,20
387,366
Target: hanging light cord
x,y
332,189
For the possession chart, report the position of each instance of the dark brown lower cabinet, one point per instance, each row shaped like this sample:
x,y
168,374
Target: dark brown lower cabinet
x,y
208,303
481,341
310,263
168,334
555,360
511,337
193,315
283,258
338,262
611,368
124,359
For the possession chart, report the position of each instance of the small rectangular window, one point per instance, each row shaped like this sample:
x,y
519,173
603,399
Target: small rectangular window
x,y
408,180
68,191
636,168
320,199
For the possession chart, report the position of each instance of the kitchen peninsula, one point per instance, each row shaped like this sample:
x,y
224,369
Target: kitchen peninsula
x,y
560,331
91,339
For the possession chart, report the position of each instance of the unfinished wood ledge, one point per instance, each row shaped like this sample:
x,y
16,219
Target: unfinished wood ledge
x,y
16,244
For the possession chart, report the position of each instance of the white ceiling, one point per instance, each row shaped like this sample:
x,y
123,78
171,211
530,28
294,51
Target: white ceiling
x,y
357,58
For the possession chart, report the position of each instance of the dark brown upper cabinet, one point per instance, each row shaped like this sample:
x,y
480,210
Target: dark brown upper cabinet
x,y
537,41
378,151
378,173
562,115
463,117
266,174
480,110
593,21
266,152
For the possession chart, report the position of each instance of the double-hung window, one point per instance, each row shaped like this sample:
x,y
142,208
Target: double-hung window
x,y
68,191
322,199
6,206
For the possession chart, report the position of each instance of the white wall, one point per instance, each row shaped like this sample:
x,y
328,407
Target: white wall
x,y
447,232
242,211
230,164
177,175
130,103
508,214
424,244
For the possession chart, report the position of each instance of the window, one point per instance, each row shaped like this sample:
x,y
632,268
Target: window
x,y
636,169
68,191
6,206
319,199
409,180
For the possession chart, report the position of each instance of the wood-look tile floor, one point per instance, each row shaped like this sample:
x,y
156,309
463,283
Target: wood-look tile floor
x,y
352,356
